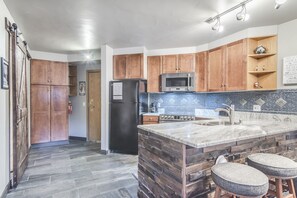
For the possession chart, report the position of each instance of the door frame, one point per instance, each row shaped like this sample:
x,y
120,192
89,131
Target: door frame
x,y
87,98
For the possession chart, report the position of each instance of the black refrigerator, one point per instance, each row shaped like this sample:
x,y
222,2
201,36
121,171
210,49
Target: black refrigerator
x,y
128,100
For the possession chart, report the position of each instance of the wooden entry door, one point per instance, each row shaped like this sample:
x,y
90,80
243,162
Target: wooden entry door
x,y
94,105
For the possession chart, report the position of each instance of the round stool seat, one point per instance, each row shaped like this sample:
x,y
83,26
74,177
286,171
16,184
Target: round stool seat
x,y
273,165
240,179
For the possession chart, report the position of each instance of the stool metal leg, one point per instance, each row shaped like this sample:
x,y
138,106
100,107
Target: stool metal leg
x,y
218,192
291,187
279,188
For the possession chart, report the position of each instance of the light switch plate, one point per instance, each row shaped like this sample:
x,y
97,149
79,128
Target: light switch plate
x,y
256,108
84,104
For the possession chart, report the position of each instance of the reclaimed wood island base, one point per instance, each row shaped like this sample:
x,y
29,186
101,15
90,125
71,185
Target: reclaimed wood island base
x,y
169,168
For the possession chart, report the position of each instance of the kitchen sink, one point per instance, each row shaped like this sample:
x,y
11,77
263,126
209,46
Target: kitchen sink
x,y
217,123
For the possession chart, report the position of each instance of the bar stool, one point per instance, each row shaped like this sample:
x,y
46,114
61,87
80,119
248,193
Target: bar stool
x,y
239,180
279,169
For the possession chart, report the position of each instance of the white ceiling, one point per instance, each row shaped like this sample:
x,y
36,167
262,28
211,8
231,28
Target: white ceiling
x,y
68,26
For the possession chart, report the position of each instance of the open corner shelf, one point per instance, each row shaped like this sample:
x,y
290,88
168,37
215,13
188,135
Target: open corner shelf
x,y
260,56
261,72
72,80
267,78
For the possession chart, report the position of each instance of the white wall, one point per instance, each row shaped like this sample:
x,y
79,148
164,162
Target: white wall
x,y
4,106
78,118
287,46
48,56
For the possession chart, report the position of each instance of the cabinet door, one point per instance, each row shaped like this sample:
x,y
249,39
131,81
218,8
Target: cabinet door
x,y
40,72
59,113
186,63
119,67
58,73
216,74
201,71
134,67
236,66
153,74
40,114
169,64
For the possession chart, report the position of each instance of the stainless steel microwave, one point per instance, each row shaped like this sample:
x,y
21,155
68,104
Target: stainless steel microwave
x,y
178,82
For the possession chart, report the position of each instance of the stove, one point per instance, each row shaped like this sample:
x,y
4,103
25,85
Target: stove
x,y
164,118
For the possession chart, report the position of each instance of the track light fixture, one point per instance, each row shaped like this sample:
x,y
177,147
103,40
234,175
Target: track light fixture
x,y
279,3
217,26
242,15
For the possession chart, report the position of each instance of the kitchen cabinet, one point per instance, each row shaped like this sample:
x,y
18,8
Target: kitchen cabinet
x,y
169,64
262,68
49,101
49,113
59,113
150,119
40,114
40,72
201,71
227,67
235,71
154,68
45,72
128,66
178,63
186,63
216,65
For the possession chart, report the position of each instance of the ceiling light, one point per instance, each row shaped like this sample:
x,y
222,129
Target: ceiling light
x,y
278,3
242,15
88,56
217,27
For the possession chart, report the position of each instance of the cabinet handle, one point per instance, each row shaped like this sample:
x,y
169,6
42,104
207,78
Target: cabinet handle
x,y
222,85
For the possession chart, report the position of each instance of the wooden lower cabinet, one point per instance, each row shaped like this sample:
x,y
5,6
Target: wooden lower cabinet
x,y
59,113
150,119
49,113
40,114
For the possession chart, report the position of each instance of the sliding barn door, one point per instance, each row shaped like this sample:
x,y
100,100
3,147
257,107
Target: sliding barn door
x,y
20,139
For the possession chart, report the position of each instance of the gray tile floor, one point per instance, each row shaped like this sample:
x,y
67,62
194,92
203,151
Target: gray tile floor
x,y
77,170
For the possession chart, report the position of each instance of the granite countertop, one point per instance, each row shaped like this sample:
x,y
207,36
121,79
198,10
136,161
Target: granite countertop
x,y
196,135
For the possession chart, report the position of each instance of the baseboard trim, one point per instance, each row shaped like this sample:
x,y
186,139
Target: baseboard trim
x,y
4,193
104,152
48,144
77,138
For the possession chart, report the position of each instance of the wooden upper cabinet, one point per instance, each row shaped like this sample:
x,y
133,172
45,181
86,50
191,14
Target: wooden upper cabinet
x,y
45,72
128,66
40,72
58,73
154,71
216,63
119,67
40,114
236,66
169,64
186,63
201,71
59,113
134,67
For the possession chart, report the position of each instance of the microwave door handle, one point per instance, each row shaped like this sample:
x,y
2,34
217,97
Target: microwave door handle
x,y
188,82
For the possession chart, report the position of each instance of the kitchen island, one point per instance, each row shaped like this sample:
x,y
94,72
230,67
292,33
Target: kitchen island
x,y
175,158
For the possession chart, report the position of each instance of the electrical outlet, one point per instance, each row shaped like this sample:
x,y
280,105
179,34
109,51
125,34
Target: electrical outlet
x,y
256,108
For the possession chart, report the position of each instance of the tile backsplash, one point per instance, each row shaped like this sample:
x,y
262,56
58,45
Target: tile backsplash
x,y
280,101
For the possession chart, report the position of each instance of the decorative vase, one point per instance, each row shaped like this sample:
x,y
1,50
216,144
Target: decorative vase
x,y
260,50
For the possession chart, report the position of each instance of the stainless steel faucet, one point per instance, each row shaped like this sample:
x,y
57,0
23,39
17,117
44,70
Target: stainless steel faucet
x,y
230,112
